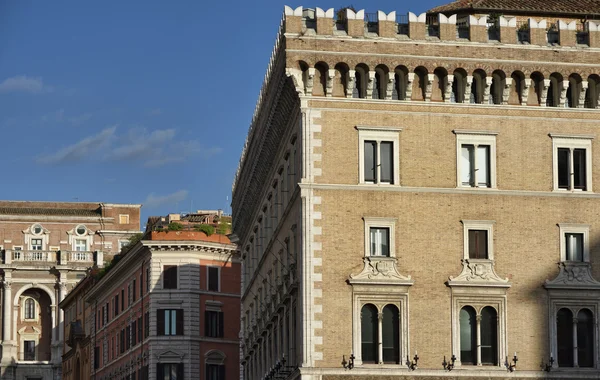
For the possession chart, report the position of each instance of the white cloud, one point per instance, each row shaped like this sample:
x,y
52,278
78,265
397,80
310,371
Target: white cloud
x,y
80,149
153,200
23,83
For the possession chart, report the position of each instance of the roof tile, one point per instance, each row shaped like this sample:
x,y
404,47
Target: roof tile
x,y
568,7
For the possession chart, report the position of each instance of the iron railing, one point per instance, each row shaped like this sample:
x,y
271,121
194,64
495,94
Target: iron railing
x,y
402,22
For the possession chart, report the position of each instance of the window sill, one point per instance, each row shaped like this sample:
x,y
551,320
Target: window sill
x,y
383,184
574,191
476,188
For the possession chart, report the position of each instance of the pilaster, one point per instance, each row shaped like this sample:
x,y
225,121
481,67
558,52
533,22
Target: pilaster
x,y
525,91
584,87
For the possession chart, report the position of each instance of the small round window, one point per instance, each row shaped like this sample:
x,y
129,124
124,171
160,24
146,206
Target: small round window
x,y
81,230
37,229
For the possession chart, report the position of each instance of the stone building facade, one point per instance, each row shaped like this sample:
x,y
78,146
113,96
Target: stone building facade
x,y
168,310
424,183
47,247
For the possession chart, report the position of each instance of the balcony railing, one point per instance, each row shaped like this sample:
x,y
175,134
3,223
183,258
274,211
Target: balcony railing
x,y
45,257
39,356
402,21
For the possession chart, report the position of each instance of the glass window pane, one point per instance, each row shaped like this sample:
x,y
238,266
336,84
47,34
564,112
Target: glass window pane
x,y
387,162
574,247
579,171
478,244
489,336
585,338
563,168
373,233
370,163
466,165
483,166
385,241
369,344
391,334
564,337
468,336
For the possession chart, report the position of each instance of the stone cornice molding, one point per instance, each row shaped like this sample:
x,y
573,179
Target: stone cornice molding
x,y
573,275
380,271
478,272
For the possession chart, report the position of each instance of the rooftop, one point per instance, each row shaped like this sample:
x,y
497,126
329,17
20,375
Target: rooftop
x,y
186,236
569,7
50,211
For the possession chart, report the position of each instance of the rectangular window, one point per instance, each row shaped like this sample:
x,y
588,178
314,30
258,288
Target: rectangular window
x,y
122,341
478,244
36,244
572,162
147,324
127,337
215,372
81,245
378,162
169,371
475,165
170,277
124,219
29,350
122,299
213,279
169,321
140,326
380,241
133,290
96,357
213,324
574,246
116,306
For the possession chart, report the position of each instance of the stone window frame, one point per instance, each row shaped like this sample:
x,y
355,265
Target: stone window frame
x,y
566,228
572,142
473,137
487,225
218,278
34,336
574,301
391,134
380,300
478,299
36,311
381,222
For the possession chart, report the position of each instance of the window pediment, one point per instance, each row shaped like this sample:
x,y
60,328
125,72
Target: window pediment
x,y
380,271
573,275
478,272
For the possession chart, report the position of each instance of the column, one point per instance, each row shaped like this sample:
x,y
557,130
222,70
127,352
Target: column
x,y
380,337
7,307
479,339
62,292
575,358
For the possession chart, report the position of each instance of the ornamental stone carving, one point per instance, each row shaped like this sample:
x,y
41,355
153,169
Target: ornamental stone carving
x,y
478,272
380,270
573,274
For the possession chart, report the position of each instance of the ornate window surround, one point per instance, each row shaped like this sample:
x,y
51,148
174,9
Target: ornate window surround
x,y
478,285
379,283
584,229
88,236
23,312
30,234
466,136
23,336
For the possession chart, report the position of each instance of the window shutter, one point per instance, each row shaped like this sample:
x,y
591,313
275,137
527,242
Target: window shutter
x,y
179,325
160,321
221,325
206,322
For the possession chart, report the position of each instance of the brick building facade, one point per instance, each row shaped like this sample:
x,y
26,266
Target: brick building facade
x,y
424,183
47,247
168,309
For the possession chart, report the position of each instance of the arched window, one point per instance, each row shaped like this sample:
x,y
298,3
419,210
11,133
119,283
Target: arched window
x,y
360,81
320,79
420,84
400,83
564,337
391,334
440,79
380,82
537,86
573,91
340,81
29,308
593,92
468,335
458,86
497,87
478,86
585,338
554,90
516,90
489,336
368,334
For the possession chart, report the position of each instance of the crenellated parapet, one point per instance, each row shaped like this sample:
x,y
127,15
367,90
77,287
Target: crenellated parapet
x,y
503,29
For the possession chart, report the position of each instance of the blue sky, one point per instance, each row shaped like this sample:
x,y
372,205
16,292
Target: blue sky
x,y
135,101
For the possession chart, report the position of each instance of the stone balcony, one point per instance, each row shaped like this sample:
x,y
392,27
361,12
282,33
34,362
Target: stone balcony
x,y
51,258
